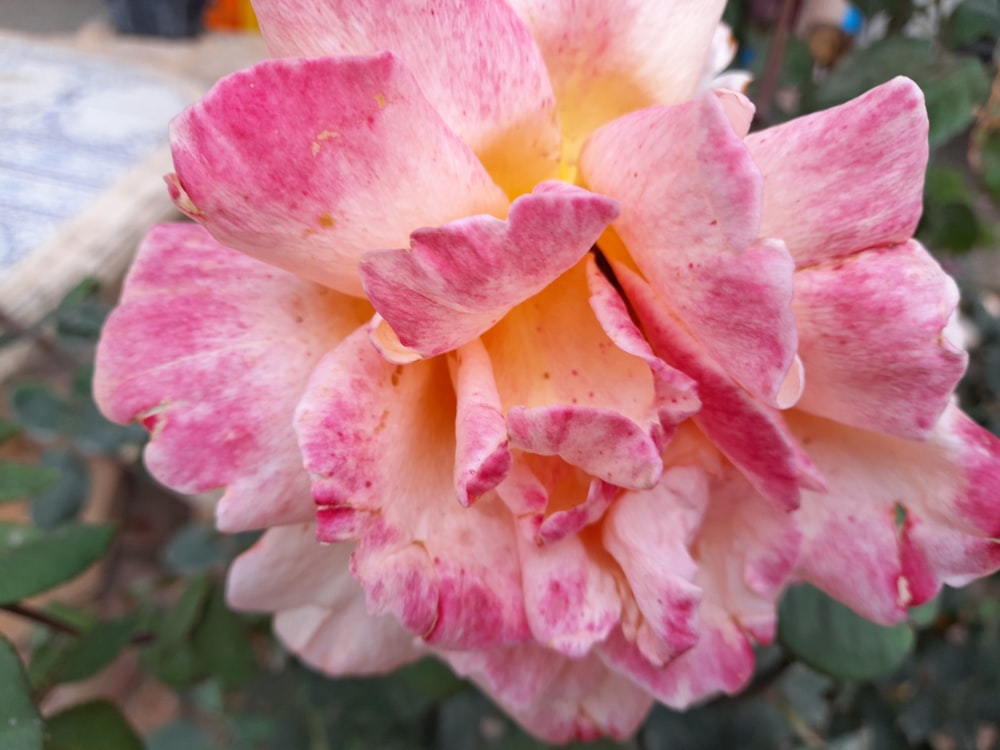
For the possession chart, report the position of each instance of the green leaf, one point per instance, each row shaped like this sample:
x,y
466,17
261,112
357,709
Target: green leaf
x,y
42,412
93,651
92,432
81,319
178,622
178,666
949,220
20,724
991,163
953,86
953,95
8,429
180,735
20,480
924,615
33,561
97,725
973,20
221,643
63,500
194,549
832,639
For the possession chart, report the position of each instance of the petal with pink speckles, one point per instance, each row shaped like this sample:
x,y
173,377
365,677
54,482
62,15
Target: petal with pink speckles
x,y
649,534
901,517
772,460
552,499
848,178
571,598
571,391
873,340
319,608
692,231
211,350
295,161
554,697
456,281
379,443
745,549
607,59
474,60
482,451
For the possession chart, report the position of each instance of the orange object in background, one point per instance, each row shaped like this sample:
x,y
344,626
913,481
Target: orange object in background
x,y
229,15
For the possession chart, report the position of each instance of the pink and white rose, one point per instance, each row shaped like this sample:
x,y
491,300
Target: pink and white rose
x,y
570,374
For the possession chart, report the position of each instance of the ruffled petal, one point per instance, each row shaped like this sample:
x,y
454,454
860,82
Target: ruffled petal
x,y
475,62
296,162
211,350
649,534
607,59
552,499
752,435
745,549
456,281
379,443
482,452
553,697
319,608
570,391
691,230
873,340
846,179
721,662
901,517
571,599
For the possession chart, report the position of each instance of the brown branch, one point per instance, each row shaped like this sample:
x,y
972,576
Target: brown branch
x,y
60,626
775,57
35,615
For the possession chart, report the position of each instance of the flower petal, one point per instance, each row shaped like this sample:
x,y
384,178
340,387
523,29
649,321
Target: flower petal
x,y
607,59
745,549
692,230
456,281
772,460
571,599
553,697
846,179
211,351
649,534
873,343
570,391
295,161
475,61
320,609
552,499
482,453
379,442
901,517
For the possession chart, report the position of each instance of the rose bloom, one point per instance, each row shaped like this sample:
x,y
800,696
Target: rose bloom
x,y
568,375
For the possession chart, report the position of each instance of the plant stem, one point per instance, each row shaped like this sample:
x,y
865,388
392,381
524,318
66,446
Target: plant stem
x,y
30,613
60,626
775,57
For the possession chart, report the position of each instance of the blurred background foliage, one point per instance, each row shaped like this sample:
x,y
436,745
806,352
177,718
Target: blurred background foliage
x,y
216,679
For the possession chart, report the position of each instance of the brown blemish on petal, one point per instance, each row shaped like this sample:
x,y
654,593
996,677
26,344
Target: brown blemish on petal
x,y
397,371
324,136
326,221
380,101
